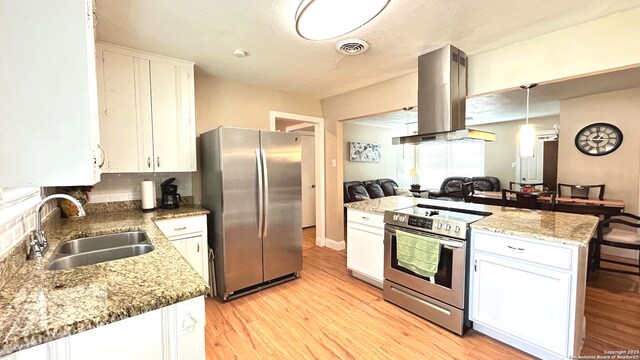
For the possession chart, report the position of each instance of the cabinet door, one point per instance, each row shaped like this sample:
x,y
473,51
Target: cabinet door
x,y
191,248
365,250
125,112
173,123
138,337
48,95
525,301
190,323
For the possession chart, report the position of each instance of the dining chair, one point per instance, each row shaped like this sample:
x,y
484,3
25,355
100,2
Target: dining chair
x,y
581,191
527,200
520,185
468,191
619,238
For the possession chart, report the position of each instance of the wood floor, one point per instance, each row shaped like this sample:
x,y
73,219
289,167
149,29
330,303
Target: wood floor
x,y
327,314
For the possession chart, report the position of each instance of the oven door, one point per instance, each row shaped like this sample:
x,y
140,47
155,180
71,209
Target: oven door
x,y
447,285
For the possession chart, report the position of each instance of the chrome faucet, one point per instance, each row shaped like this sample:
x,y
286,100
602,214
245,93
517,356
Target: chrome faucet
x,y
39,243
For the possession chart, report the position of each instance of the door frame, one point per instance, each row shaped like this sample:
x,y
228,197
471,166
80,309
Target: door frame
x,y
544,135
318,124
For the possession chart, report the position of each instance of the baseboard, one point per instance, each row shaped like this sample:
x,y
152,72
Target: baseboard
x,y
320,241
625,253
335,245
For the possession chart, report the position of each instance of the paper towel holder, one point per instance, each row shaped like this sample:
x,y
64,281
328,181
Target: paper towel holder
x,y
148,194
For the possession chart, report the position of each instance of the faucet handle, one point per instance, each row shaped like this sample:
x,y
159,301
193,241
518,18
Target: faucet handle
x,y
38,245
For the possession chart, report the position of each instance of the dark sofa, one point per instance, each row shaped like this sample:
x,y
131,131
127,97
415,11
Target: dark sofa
x,y
370,188
451,188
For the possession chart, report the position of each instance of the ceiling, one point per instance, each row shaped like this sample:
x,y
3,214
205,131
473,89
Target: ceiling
x,y
393,120
207,32
545,98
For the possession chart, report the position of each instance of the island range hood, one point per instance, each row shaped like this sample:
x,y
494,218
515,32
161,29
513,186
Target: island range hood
x,y
442,90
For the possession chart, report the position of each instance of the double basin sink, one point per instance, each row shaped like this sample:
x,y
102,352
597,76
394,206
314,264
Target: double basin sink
x,y
98,249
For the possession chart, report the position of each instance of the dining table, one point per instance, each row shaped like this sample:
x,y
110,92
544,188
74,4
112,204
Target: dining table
x,y
606,207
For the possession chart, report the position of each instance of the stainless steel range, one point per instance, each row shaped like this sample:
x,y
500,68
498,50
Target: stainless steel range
x,y
441,298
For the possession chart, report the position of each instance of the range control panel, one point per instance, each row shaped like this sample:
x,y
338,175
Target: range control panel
x,y
445,227
420,222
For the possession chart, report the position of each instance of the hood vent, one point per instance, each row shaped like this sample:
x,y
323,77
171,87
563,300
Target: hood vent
x,y
442,91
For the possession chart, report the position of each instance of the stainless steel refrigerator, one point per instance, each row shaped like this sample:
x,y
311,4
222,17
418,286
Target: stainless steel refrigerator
x,y
251,182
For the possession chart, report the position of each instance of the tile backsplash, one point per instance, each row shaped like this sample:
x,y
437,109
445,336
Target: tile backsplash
x,y
125,187
20,219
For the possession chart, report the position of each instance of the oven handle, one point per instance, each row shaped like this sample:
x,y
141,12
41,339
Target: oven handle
x,y
452,245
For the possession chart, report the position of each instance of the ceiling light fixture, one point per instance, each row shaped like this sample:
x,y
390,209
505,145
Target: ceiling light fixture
x,y
328,19
527,131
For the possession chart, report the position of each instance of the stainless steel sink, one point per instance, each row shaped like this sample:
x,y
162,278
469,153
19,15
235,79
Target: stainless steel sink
x,y
98,249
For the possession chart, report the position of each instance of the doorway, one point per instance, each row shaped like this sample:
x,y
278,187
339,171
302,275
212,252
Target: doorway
x,y
307,144
538,169
312,130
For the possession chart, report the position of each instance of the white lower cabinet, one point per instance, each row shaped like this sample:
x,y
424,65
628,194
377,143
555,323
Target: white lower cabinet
x,y
521,297
174,332
189,236
365,246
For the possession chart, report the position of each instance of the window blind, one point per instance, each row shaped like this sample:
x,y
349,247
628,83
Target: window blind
x,y
439,160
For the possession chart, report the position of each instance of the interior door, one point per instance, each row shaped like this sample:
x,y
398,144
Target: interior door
x,y
308,146
282,239
531,168
240,159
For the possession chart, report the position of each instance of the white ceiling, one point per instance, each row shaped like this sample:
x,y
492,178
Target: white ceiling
x,y
207,32
545,98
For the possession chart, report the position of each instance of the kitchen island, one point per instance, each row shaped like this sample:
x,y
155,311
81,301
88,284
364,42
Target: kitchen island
x,y
106,308
527,270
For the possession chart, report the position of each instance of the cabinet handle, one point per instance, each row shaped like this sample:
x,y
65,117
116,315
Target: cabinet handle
x,y
102,156
475,265
188,324
198,247
180,228
158,161
149,162
365,218
515,248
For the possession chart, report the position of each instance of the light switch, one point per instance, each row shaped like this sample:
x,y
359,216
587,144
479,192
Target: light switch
x,y
513,165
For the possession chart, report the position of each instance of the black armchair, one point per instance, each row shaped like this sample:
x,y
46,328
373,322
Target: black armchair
x,y
451,188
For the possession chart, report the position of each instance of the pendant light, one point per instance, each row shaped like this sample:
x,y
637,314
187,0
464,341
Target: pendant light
x,y
328,19
527,131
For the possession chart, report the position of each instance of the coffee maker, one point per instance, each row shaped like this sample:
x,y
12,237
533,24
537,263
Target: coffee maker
x,y
170,197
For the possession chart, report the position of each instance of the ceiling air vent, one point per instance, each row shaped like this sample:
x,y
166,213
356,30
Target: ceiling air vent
x,y
352,46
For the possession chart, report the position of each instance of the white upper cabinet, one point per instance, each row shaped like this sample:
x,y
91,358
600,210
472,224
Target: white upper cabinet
x,y
147,112
49,130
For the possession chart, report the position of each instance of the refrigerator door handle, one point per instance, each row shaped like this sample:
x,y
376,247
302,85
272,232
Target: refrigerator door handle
x,y
260,207
266,193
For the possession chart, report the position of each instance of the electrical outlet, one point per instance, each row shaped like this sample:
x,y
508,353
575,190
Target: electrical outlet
x,y
334,162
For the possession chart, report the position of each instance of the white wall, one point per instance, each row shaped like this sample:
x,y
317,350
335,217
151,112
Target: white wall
x,y
388,165
607,43
620,170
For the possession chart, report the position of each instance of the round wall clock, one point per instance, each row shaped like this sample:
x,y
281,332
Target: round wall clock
x,y
599,139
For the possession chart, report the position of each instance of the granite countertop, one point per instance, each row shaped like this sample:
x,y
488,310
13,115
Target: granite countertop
x,y
380,205
39,305
558,227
